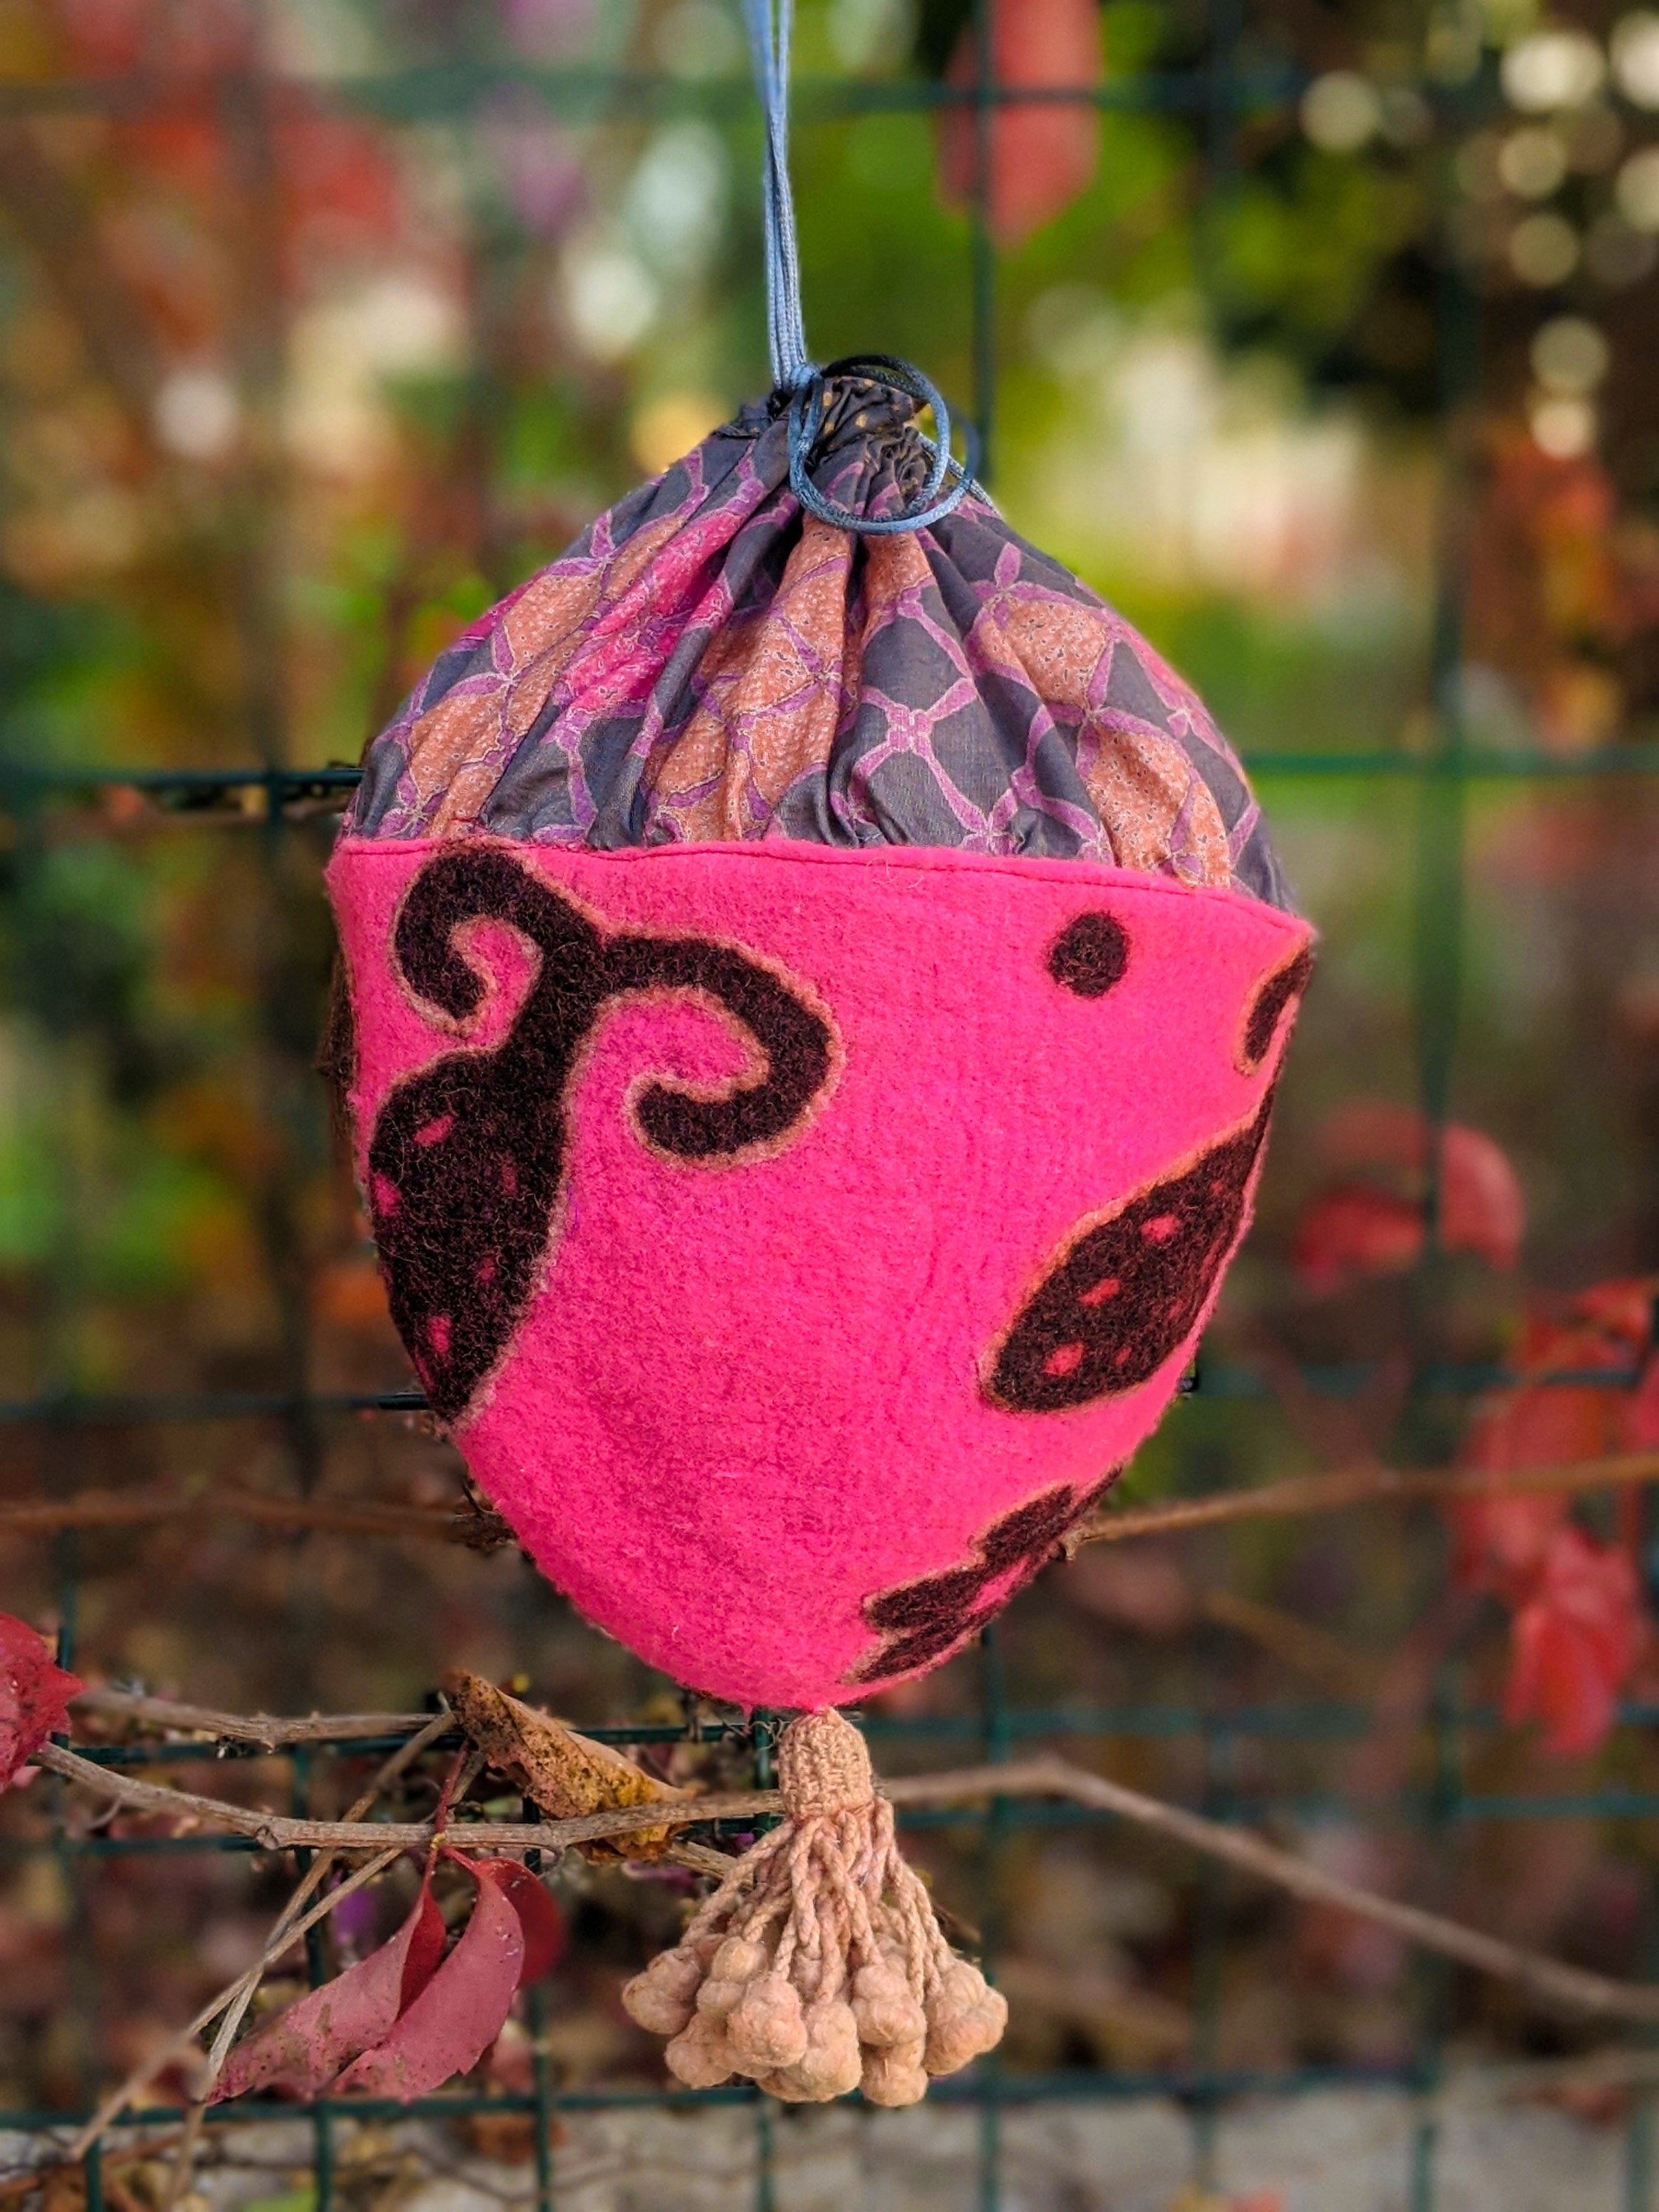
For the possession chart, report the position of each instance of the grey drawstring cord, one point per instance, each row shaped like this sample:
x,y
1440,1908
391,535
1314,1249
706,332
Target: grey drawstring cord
x,y
769,23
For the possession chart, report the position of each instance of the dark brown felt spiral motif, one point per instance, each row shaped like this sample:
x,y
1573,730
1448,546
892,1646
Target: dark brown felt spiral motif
x,y
467,1158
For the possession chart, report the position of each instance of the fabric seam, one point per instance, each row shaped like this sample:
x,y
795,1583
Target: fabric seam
x,y
913,860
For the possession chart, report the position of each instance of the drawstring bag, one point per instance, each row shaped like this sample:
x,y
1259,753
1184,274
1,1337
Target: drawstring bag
x,y
815,983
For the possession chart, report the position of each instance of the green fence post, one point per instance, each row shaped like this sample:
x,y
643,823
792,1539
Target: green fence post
x,y
1209,1954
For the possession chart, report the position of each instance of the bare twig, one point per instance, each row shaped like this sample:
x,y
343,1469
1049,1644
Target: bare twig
x,y
242,1727
134,1509
1547,1978
1313,1493
697,1858
1359,1485
277,1832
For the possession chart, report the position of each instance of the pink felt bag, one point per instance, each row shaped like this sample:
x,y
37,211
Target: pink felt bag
x,y
815,981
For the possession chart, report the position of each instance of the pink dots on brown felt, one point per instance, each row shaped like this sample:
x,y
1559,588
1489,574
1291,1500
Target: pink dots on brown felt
x,y
1127,1293
921,1621
467,1156
1282,989
1090,955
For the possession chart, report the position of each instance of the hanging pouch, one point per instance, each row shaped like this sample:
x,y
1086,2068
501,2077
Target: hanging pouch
x,y
817,983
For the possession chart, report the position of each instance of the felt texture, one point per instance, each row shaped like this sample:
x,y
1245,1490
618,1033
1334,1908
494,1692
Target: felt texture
x,y
821,1161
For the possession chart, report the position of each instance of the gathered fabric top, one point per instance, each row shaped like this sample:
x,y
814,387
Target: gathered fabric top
x,y
708,662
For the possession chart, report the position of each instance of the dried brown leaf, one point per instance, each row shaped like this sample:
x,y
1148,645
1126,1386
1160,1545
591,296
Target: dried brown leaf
x,y
562,1773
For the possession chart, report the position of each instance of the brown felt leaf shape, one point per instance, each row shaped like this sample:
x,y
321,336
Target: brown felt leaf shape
x,y
563,1773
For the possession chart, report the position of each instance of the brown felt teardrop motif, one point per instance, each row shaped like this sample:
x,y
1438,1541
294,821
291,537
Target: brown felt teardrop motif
x,y
1125,1292
1276,992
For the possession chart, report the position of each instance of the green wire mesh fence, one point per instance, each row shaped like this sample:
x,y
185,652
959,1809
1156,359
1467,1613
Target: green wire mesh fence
x,y
1228,85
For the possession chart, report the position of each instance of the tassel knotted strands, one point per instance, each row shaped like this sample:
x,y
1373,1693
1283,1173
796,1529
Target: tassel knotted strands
x,y
818,1966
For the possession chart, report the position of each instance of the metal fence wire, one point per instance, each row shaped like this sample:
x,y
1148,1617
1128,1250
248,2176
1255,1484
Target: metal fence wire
x,y
1222,94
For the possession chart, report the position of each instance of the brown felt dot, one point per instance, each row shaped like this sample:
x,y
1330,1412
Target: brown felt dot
x,y
1090,955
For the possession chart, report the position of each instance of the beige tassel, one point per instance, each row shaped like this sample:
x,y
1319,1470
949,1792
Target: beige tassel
x,y
818,1966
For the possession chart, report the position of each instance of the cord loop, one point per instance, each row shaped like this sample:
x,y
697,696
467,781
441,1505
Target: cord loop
x,y
769,23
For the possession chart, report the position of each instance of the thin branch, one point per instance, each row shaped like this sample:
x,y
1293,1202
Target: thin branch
x,y
1547,1978
257,1727
119,1509
697,1858
1360,1486
277,1832
1312,1493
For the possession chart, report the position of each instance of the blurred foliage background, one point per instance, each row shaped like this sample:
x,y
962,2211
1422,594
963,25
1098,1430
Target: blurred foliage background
x,y
1319,340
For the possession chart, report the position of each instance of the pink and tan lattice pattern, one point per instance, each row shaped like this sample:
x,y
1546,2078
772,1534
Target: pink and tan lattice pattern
x,y
709,664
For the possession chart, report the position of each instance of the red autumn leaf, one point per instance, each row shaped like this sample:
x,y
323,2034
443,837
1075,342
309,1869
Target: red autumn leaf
x,y
1576,1637
1622,1311
1375,1227
300,2052
459,2013
1549,1421
1354,1230
540,1920
426,1946
1502,1540
1041,154
1481,1208
1499,1543
34,1695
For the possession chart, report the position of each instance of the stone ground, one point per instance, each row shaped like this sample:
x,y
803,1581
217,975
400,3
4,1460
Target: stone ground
x,y
1345,2151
